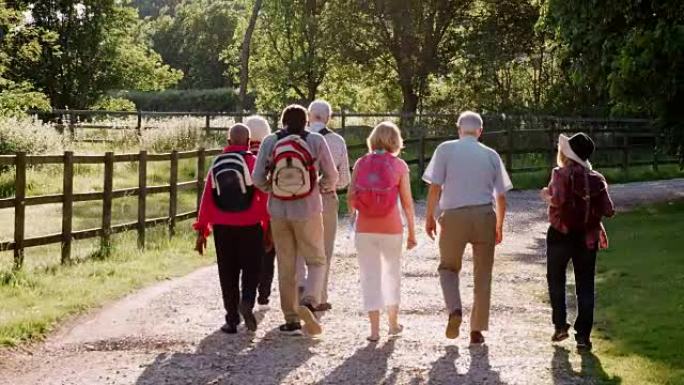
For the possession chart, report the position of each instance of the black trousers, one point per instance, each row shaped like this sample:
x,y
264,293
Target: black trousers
x,y
266,277
560,250
239,249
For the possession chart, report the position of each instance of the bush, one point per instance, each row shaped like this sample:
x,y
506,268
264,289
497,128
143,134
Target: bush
x,y
176,134
214,100
109,103
30,136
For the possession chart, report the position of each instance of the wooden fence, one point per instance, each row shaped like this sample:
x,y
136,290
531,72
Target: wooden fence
x,y
22,162
623,142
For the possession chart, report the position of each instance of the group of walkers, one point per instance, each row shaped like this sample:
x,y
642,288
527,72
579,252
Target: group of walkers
x,y
274,196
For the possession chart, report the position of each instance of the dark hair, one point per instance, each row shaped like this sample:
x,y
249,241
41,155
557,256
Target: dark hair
x,y
294,118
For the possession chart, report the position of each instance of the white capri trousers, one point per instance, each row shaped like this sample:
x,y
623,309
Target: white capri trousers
x,y
380,269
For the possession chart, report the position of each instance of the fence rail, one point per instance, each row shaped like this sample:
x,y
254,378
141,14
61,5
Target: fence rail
x,y
508,140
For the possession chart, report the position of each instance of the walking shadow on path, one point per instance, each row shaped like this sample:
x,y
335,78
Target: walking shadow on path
x,y
444,370
369,362
222,359
591,369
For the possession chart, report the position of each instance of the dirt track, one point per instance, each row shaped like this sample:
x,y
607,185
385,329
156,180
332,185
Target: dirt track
x,y
168,333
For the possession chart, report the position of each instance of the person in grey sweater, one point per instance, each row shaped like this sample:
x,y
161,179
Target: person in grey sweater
x,y
297,224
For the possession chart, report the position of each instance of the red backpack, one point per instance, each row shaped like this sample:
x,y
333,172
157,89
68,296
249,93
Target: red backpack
x,y
376,185
583,206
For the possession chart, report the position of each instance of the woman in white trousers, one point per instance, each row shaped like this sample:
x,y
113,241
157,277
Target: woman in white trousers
x,y
377,180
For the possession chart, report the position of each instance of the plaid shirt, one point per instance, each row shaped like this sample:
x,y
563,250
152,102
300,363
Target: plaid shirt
x,y
595,237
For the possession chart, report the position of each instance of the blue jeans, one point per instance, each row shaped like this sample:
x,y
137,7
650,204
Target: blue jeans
x,y
560,250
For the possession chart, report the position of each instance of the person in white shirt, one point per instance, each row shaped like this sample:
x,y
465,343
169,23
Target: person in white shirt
x,y
320,114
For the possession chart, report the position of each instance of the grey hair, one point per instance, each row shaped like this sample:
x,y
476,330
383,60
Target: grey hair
x,y
469,122
320,109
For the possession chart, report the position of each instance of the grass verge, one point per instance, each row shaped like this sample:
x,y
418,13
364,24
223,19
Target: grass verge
x,y
34,301
640,306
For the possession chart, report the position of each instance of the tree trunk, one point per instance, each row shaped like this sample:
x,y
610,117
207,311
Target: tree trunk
x,y
244,54
409,107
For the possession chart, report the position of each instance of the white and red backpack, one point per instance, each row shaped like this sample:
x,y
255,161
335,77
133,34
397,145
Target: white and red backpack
x,y
293,169
376,185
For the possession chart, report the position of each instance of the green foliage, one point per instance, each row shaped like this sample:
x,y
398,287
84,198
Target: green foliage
x,y
80,50
220,99
191,36
109,103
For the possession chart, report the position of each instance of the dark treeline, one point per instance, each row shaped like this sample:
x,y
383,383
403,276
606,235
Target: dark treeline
x,y
570,57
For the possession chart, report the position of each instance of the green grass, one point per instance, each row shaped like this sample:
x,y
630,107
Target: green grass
x,y
36,299
640,289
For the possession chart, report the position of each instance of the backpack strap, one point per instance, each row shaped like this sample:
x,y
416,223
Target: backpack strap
x,y
283,133
325,131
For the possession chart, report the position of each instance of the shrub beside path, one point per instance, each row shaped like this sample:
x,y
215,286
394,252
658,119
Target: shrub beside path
x,y
168,333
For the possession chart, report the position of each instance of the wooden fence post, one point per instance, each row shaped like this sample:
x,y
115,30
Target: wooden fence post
x,y
656,148
207,125
200,176
142,195
107,202
625,152
138,125
343,117
511,146
19,206
173,192
67,205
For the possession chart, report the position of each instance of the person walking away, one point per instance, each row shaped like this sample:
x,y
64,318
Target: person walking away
x,y
320,114
378,179
295,166
259,129
465,177
235,210
578,200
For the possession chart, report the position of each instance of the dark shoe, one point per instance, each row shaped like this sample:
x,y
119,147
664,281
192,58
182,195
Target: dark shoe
x,y
229,328
561,333
454,324
308,316
583,344
248,316
324,307
476,338
291,328
262,301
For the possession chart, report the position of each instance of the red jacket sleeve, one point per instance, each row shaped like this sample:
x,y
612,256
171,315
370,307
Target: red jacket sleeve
x,y
203,223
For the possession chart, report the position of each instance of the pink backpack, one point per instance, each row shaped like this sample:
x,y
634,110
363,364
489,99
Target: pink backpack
x,y
376,185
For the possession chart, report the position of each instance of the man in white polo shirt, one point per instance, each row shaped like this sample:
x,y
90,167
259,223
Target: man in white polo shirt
x,y
469,182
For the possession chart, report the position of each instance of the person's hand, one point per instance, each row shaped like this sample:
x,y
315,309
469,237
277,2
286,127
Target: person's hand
x,y
499,234
545,195
201,244
431,227
411,242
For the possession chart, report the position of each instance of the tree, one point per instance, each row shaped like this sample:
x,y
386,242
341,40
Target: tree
x,y
245,50
17,97
94,46
414,37
191,36
294,48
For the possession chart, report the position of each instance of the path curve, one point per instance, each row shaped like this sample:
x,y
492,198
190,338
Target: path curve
x,y
167,333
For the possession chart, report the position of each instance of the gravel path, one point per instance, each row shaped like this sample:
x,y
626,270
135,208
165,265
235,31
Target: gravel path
x,y
167,334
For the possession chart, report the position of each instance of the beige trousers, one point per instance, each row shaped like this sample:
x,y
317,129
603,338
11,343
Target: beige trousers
x,y
331,206
293,238
475,225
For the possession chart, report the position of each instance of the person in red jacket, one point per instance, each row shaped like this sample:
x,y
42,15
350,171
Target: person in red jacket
x,y
236,212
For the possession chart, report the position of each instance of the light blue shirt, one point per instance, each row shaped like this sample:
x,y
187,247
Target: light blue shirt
x,y
470,173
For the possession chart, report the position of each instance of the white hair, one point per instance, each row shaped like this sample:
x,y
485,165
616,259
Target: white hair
x,y
469,122
320,109
258,127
